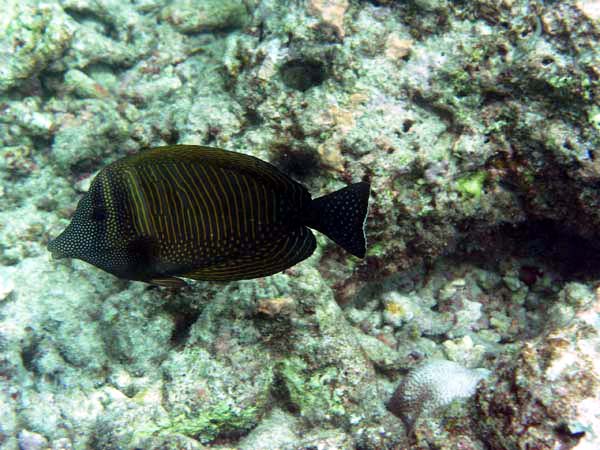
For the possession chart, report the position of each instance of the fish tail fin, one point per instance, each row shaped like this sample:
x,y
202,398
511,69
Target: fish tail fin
x,y
341,216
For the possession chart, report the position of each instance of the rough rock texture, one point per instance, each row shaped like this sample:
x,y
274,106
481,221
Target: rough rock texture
x,y
477,125
548,397
33,37
193,16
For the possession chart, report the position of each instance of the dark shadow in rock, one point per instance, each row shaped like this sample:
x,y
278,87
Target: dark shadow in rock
x,y
302,74
572,256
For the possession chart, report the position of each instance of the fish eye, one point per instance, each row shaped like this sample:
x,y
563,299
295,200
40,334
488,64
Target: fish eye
x,y
98,214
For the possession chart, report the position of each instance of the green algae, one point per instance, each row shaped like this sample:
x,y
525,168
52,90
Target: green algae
x,y
312,391
376,250
214,421
594,117
472,185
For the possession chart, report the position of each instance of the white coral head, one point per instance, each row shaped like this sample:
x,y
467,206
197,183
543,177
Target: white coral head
x,y
432,385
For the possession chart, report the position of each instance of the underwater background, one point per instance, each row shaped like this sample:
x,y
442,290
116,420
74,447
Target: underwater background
x,y
472,323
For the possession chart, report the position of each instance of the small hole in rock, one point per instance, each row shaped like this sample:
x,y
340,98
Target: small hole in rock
x,y
183,322
301,74
564,431
407,125
591,155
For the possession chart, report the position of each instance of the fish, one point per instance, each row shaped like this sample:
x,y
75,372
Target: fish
x,y
205,213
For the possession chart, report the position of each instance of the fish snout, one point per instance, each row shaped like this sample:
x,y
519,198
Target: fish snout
x,y
57,247
54,252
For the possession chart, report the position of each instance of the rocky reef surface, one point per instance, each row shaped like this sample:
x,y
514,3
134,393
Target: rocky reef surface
x,y
478,126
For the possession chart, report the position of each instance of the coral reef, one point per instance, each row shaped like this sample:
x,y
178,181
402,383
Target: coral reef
x,y
433,386
548,397
477,125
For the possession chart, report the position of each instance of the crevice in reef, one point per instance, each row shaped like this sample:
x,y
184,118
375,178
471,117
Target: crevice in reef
x,y
281,395
572,256
183,322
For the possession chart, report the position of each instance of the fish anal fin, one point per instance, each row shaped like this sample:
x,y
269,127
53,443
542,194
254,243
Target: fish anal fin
x,y
170,282
276,256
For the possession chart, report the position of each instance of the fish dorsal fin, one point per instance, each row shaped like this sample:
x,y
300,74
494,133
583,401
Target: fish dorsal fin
x,y
217,157
273,257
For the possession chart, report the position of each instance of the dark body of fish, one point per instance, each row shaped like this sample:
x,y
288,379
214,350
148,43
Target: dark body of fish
x,y
207,214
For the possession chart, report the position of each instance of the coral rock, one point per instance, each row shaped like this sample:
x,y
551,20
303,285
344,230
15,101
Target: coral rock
x,y
276,306
590,8
396,47
430,387
332,13
548,398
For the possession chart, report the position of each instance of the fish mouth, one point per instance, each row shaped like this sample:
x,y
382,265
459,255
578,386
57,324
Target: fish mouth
x,y
54,252
56,255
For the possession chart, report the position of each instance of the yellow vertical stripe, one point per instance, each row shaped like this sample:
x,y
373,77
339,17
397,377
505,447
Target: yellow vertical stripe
x,y
173,202
259,207
266,203
191,217
154,186
211,196
242,205
236,209
217,176
250,203
196,212
140,216
154,205
205,219
182,194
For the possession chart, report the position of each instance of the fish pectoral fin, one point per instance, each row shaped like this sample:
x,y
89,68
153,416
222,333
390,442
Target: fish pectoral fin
x,y
170,282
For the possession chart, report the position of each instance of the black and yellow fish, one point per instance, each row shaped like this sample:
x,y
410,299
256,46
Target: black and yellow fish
x,y
207,214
